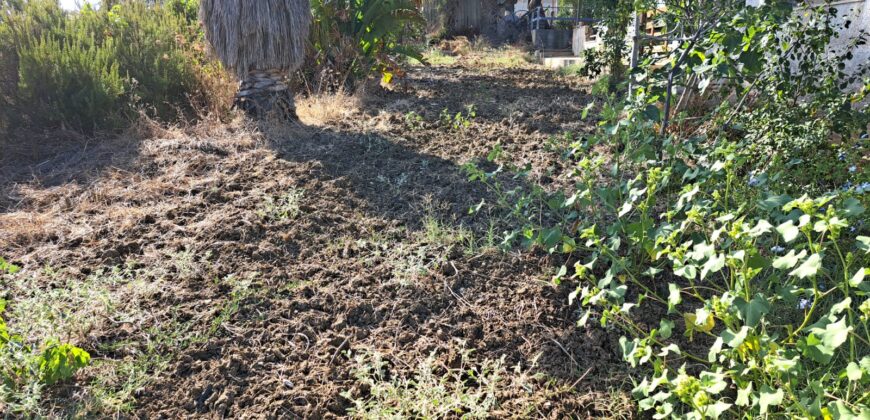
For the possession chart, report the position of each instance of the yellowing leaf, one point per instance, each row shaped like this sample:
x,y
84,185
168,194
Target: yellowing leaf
x,y
386,78
706,324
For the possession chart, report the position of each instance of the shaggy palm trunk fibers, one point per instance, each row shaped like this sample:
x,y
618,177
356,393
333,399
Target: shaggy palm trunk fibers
x,y
264,93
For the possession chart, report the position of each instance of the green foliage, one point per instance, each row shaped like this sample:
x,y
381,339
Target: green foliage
x,y
460,120
414,121
7,267
188,9
67,77
355,38
785,75
468,391
97,68
614,19
284,207
25,369
757,267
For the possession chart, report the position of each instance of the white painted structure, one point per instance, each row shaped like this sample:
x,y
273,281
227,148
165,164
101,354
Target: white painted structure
x,y
583,39
856,11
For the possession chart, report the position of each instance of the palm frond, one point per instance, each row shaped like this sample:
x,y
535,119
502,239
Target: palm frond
x,y
257,34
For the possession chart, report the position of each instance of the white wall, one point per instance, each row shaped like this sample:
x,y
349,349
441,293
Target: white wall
x,y
858,11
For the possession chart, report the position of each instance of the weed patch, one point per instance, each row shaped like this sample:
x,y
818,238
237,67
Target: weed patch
x,y
285,207
431,391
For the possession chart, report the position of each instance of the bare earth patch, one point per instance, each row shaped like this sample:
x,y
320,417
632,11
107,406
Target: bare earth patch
x,y
314,270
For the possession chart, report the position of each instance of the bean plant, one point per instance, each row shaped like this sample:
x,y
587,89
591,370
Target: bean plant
x,y
739,282
27,368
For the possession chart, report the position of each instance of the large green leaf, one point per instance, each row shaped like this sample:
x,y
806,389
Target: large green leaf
x,y
788,230
835,334
769,398
674,297
751,312
61,361
789,260
809,267
713,265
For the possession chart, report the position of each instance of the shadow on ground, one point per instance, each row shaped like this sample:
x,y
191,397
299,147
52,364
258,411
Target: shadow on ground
x,y
366,279
539,100
45,160
393,181
358,270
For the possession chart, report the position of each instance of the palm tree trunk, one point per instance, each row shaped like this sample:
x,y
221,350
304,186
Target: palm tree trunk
x,y
265,93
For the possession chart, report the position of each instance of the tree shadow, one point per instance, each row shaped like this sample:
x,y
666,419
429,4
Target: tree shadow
x,y
395,181
493,303
51,159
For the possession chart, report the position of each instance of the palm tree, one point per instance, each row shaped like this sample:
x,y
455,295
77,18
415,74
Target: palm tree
x,y
262,41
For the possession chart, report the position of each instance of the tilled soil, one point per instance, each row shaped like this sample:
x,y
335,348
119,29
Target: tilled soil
x,y
381,255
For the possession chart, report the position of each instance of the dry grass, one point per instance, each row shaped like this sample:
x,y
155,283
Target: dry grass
x,y
22,228
326,108
477,53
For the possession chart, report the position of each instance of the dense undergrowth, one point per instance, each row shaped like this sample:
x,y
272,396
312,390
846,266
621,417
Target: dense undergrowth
x,y
745,233
352,39
26,368
99,68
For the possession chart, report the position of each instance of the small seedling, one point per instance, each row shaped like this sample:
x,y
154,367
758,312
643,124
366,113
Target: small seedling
x,y
285,207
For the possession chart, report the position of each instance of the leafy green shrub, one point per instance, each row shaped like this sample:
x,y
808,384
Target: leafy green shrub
x,y
796,101
739,282
80,86
97,68
355,38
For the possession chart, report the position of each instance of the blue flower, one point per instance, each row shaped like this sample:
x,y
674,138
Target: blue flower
x,y
804,303
853,168
847,185
754,182
842,156
777,249
863,188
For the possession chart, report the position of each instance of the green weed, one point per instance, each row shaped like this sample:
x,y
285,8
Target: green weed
x,y
431,391
240,289
30,361
459,121
285,207
414,121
